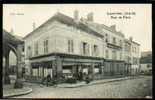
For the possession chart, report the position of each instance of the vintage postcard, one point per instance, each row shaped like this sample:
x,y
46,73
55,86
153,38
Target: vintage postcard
x,y
77,51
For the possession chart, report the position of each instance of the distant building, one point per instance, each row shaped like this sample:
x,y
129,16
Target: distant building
x,y
146,62
135,57
65,45
146,53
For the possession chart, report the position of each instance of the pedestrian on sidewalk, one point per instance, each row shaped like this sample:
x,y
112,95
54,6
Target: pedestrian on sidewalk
x,y
87,79
48,79
55,80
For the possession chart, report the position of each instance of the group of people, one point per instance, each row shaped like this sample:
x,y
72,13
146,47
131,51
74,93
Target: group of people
x,y
79,76
50,80
83,76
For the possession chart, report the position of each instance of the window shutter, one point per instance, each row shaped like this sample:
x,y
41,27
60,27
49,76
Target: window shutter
x,y
97,50
88,49
47,46
72,46
81,48
69,46
92,50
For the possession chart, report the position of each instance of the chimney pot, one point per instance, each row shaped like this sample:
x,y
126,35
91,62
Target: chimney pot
x,y
34,25
11,31
131,38
90,16
76,14
113,27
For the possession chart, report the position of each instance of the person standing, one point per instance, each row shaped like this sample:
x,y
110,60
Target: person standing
x,y
48,80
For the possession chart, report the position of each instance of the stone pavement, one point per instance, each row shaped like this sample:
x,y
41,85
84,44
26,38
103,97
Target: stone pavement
x,y
138,87
80,84
9,91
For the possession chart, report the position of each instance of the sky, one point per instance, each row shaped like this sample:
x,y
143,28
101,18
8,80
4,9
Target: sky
x,y
20,18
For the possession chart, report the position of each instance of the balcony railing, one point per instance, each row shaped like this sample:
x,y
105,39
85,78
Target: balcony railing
x,y
114,46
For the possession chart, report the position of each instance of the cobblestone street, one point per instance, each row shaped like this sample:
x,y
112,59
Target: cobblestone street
x,y
132,88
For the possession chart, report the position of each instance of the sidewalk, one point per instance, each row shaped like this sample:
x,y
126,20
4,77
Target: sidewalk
x,y
9,91
80,84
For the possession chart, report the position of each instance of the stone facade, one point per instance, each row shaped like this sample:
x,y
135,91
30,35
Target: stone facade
x,y
64,45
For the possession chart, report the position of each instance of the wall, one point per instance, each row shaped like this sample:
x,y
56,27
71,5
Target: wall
x,y
58,35
145,68
118,38
40,36
63,33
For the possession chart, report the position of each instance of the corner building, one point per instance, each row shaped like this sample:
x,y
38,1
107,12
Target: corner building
x,y
64,46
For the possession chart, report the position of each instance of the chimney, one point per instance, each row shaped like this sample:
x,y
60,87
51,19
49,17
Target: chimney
x,y
113,27
12,32
76,15
34,26
130,38
90,16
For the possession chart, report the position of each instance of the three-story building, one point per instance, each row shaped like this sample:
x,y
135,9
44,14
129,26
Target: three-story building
x,y
64,45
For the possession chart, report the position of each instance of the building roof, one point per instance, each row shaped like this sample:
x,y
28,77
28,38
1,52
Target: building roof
x,y
112,30
100,27
136,43
87,26
70,22
129,42
19,37
11,38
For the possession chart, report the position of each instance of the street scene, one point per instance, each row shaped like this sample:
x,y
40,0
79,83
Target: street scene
x,y
132,88
76,53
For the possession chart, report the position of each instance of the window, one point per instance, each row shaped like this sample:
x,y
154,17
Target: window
x,y
84,47
114,40
135,50
106,38
120,55
107,54
70,46
29,52
135,60
22,48
120,42
36,48
46,46
114,56
35,71
95,50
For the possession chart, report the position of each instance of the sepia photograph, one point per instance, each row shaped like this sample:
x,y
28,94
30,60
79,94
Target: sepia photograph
x,y
77,51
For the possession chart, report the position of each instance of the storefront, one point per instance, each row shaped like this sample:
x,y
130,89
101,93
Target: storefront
x,y
41,69
64,66
114,68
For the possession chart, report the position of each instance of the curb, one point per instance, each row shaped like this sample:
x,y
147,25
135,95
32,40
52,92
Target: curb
x,y
89,84
18,94
97,83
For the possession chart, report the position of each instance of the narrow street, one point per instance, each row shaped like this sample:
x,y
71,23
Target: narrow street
x,y
132,88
